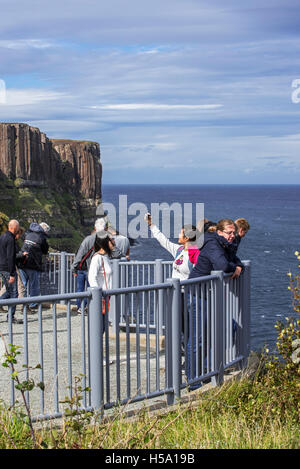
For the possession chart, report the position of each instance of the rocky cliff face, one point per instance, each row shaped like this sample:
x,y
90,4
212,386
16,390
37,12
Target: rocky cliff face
x,y
54,180
82,166
26,153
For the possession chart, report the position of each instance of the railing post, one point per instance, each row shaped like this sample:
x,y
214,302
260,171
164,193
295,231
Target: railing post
x,y
159,279
220,315
246,282
63,274
174,325
115,284
96,348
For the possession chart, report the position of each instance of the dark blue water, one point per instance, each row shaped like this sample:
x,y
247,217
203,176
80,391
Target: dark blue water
x,y
273,213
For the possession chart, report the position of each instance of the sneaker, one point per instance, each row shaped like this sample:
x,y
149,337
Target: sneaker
x,y
32,309
2,310
79,311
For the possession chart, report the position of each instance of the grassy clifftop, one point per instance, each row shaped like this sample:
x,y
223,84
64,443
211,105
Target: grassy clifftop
x,y
62,211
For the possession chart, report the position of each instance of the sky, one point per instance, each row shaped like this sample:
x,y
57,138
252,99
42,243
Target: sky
x,y
174,91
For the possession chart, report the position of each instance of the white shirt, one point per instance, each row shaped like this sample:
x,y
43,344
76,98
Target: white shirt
x,y
181,268
100,272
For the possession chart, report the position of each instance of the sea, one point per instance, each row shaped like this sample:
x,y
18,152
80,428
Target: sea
x,y
273,213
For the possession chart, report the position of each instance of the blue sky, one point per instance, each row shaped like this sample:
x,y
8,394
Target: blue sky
x,y
174,91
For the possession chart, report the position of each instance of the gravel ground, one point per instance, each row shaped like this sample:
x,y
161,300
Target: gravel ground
x,y
77,329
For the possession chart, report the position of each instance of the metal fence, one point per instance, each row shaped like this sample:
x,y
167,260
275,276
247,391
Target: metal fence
x,y
131,361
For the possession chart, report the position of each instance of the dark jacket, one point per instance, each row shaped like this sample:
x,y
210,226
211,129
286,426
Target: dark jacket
x,y
235,243
8,253
215,254
36,245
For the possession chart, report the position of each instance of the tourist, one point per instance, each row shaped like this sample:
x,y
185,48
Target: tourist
x,y
100,271
182,266
122,244
185,254
242,227
35,245
21,257
8,265
216,254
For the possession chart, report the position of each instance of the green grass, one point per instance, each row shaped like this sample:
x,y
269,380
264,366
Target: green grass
x,y
44,204
228,417
258,411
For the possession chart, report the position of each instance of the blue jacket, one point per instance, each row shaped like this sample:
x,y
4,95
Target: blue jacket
x,y
215,254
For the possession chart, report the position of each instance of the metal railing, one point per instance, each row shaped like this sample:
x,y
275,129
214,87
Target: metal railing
x,y
125,274
209,314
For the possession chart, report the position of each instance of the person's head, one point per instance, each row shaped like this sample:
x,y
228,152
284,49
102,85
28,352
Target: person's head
x,y
13,226
226,228
101,224
201,224
188,234
242,226
210,226
104,243
20,232
45,227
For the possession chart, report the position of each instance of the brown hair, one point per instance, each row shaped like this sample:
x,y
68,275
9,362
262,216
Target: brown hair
x,y
242,223
212,228
224,222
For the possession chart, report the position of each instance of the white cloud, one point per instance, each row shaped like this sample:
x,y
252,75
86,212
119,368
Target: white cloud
x,y
162,84
155,107
17,97
20,44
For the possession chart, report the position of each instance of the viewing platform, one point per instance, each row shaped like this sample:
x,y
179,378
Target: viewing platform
x,y
137,350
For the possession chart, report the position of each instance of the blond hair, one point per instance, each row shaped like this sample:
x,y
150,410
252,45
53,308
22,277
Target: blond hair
x,y
242,223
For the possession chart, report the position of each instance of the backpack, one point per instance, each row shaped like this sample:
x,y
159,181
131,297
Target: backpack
x,y
83,263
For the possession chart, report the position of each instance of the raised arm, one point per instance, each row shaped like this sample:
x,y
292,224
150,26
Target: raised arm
x,y
162,239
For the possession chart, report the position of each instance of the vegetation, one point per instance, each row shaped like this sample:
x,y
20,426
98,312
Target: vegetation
x,y
57,208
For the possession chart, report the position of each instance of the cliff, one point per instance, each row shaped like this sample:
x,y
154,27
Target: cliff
x,y
42,179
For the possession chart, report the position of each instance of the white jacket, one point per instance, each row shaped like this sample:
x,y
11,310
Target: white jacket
x,y
100,272
181,265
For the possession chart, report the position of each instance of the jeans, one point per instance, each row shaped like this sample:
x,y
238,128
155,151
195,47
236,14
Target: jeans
x,y
11,289
82,284
31,277
194,345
